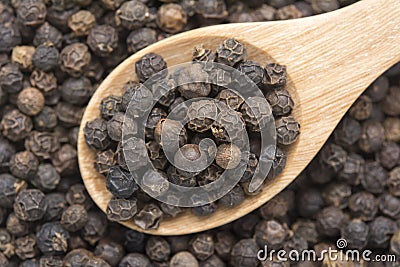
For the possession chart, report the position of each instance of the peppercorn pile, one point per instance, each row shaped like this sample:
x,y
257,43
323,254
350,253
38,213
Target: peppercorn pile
x,y
105,133
350,190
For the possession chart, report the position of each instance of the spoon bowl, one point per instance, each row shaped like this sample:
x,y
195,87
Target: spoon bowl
x,y
330,59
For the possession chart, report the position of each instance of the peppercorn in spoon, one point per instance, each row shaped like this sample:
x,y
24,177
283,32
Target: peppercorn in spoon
x,y
330,60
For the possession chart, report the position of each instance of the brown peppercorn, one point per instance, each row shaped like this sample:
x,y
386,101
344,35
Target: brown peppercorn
x,y
391,103
171,18
230,98
74,59
102,40
288,12
183,259
65,160
26,247
337,194
322,6
81,22
103,160
271,233
132,15
44,81
276,76
372,136
74,218
211,11
391,126
393,182
228,156
278,206
69,114
362,108
22,56
24,165
30,101
167,128
231,52
42,144
15,125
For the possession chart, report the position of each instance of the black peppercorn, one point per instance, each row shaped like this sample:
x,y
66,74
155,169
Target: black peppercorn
x,y
120,182
281,102
46,178
287,130
389,206
363,205
110,106
96,134
330,220
375,179
140,38
244,253
380,231
95,228
11,36
205,210
233,198
52,239
29,205
157,249
121,209
356,234
278,206
336,194
45,57
42,144
45,120
11,78
190,90
149,65
389,154
211,11
135,260
10,188
202,246
56,203
255,113
132,15
47,33
149,217
76,90
138,97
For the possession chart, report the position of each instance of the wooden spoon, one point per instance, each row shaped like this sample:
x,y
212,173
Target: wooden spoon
x,y
330,58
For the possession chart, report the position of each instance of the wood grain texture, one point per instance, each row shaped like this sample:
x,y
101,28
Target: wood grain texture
x,y
331,59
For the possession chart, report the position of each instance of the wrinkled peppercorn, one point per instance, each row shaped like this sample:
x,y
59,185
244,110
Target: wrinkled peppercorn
x,y
29,205
46,57
11,36
102,40
11,78
171,18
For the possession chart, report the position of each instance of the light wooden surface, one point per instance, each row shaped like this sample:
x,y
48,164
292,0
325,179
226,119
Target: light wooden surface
x,y
331,59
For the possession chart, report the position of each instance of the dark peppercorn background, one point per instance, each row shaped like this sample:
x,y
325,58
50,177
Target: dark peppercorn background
x,y
65,48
